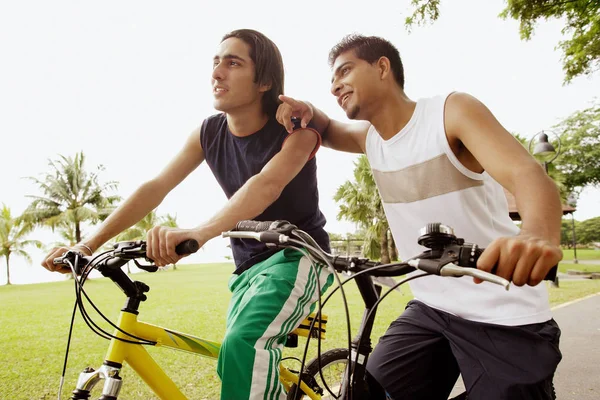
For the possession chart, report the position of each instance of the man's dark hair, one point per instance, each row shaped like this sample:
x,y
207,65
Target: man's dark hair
x,y
370,49
268,65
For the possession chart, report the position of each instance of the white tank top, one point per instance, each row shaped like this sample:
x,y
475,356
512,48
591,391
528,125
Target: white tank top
x,y
420,180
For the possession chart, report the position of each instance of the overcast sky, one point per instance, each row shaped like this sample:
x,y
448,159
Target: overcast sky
x,y
126,82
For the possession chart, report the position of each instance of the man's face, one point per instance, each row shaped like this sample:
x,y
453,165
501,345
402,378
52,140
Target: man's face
x,y
354,84
233,76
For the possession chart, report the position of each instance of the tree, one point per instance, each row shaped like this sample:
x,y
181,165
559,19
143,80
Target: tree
x,y
581,53
67,236
588,231
71,196
579,160
12,238
360,203
140,230
566,233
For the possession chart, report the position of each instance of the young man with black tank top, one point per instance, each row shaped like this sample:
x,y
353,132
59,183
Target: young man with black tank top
x,y
267,174
445,159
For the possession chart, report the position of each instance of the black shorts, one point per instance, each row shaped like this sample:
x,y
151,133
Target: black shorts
x,y
424,350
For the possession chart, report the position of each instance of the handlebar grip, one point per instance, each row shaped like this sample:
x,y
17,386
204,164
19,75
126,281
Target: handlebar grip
x,y
188,246
470,253
70,255
253,226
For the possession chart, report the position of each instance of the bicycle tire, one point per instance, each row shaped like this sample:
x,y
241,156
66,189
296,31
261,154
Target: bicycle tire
x,y
311,374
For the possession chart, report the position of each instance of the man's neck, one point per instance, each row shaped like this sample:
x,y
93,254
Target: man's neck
x,y
246,121
393,113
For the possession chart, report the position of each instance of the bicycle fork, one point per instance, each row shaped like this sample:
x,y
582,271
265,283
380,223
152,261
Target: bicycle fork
x,y
109,372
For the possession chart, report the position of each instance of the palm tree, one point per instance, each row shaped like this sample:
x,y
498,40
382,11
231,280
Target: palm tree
x,y
71,196
67,236
12,234
361,203
141,228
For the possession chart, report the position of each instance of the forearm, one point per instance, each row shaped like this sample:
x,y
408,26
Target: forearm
x,y
539,205
339,135
145,199
248,202
320,120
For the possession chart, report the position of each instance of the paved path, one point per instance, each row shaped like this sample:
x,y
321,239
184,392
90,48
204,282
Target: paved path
x,y
578,374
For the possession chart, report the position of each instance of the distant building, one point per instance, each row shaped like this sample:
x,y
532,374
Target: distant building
x,y
514,213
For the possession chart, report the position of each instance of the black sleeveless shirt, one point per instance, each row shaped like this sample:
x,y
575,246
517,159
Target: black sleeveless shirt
x,y
233,160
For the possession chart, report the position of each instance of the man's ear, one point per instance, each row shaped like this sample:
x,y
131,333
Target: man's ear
x,y
264,87
384,67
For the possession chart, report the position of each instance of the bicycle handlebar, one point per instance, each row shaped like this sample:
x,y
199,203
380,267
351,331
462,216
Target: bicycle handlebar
x,y
448,255
124,252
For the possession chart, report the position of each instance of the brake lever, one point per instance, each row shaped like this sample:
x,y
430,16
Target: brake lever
x,y
149,268
268,237
451,269
131,249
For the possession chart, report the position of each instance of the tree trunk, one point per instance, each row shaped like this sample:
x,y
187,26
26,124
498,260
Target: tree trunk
x,y
77,232
393,249
7,269
383,245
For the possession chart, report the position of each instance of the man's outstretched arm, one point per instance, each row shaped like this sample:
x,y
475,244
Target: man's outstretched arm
x,y
336,135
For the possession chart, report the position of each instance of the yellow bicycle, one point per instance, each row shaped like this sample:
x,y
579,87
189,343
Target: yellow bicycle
x,y
447,255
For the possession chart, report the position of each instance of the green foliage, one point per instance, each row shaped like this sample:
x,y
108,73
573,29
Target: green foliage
x,y
566,233
12,238
588,231
424,10
141,228
70,196
581,53
579,160
67,236
360,203
335,237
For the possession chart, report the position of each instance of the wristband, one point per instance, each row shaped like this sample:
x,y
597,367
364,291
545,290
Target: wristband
x,y
85,246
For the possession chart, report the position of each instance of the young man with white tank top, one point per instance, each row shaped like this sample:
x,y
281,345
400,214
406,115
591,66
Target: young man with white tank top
x,y
445,159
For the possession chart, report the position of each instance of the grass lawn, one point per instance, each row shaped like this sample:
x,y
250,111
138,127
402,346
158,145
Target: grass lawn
x,y
565,266
582,254
35,320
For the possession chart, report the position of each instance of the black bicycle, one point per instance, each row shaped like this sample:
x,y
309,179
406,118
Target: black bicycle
x,y
447,255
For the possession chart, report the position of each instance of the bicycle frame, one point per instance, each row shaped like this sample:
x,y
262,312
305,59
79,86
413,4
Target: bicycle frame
x,y
138,358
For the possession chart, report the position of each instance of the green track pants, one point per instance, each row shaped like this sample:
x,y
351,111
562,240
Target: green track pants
x,y
268,301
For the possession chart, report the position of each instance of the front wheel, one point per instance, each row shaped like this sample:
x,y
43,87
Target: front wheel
x,y
333,366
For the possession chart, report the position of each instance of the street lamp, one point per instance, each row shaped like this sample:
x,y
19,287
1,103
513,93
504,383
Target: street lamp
x,y
571,200
545,151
